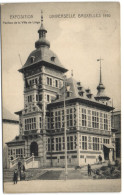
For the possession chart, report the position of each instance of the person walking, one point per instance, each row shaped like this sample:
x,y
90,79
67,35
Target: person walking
x,y
89,169
15,176
23,168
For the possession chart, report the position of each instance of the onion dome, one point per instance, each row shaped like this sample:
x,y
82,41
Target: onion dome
x,y
42,42
43,53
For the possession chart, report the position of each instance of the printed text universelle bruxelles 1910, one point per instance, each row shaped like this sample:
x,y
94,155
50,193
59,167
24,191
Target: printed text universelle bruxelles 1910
x,y
86,15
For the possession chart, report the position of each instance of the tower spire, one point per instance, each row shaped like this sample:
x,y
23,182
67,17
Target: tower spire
x,y
100,88
41,18
100,81
42,42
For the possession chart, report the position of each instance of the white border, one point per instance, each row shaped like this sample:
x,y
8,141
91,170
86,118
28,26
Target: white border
x,y
122,78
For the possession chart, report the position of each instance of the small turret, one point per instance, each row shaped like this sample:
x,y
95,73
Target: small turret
x,y
42,42
101,88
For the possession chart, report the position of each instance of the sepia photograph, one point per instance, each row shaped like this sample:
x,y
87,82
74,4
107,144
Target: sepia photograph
x,y
61,97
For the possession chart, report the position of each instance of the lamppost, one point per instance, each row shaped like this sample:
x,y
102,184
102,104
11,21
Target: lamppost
x,y
65,135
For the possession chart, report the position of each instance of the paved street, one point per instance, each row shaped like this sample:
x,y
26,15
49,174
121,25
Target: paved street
x,y
37,186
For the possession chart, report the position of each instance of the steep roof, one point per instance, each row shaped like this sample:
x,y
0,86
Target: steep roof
x,y
44,54
77,91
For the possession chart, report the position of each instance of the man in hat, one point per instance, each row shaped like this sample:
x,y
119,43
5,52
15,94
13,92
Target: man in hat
x,y
15,176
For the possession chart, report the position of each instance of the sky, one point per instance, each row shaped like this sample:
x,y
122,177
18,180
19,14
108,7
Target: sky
x,y
78,43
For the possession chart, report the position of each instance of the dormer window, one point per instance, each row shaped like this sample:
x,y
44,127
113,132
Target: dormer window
x,y
81,93
89,95
32,59
53,58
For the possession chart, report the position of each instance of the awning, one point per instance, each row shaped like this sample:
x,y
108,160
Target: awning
x,y
110,146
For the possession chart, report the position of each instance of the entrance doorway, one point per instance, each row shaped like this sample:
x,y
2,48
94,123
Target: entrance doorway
x,y
34,149
106,153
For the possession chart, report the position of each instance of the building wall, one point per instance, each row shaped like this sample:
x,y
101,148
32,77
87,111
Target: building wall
x,y
116,124
10,130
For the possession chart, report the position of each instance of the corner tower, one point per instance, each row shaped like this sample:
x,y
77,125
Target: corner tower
x,y
43,78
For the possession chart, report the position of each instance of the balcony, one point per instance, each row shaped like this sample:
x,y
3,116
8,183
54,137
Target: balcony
x,y
30,132
32,87
94,131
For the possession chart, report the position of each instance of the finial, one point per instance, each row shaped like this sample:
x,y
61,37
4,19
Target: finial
x,y
100,69
41,16
72,72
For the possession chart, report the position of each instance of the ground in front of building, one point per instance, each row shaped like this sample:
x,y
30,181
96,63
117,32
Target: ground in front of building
x,y
38,186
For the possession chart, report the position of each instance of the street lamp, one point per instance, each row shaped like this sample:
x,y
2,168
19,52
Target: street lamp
x,y
65,136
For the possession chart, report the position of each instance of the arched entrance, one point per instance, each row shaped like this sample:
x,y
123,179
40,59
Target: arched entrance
x,y
34,149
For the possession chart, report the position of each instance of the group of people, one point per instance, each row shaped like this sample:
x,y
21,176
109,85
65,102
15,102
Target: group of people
x,y
18,172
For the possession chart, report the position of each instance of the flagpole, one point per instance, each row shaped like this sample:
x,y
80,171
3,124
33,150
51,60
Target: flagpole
x,y
65,135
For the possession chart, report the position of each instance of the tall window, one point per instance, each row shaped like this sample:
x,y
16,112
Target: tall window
x,y
40,124
101,120
49,81
84,142
52,143
30,123
37,98
84,123
48,98
40,97
105,122
57,120
30,98
56,83
89,118
52,120
95,119
57,144
106,141
49,145
70,142
89,142
95,143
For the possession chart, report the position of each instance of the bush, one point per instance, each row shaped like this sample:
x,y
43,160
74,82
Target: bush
x,y
77,167
116,163
103,168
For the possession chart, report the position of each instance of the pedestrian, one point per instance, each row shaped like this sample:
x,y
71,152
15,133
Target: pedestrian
x,y
19,165
23,168
15,176
89,169
100,159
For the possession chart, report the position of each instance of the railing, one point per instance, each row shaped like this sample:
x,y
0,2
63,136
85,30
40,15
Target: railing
x,y
31,87
32,162
28,160
13,162
28,132
36,158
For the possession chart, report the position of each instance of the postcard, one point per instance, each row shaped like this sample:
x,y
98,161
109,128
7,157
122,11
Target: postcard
x,y
61,97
